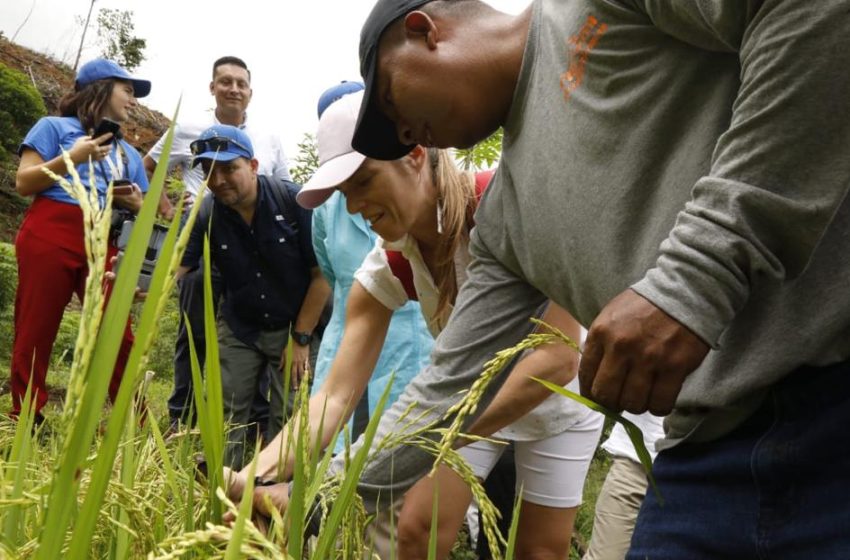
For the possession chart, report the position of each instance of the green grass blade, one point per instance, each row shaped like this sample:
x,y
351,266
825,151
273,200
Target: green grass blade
x,y
152,309
296,509
435,514
167,465
320,468
512,531
203,419
98,374
128,477
18,459
348,489
214,399
234,545
634,433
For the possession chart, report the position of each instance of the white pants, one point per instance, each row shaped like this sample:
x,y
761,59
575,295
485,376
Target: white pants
x,y
550,471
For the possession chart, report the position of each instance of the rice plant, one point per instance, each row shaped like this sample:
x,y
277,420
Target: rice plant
x,y
108,485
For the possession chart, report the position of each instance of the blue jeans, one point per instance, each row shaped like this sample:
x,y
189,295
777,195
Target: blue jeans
x,y
778,487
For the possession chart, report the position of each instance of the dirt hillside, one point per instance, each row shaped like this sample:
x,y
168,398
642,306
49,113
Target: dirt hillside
x,y
52,79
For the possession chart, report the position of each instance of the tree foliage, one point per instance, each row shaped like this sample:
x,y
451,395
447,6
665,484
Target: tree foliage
x,y
483,155
20,106
115,34
307,160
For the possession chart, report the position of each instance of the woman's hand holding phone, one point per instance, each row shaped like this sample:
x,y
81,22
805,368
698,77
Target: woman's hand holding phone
x,y
127,195
88,146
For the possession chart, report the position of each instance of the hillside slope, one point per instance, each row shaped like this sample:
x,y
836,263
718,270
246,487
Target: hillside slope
x,y
52,79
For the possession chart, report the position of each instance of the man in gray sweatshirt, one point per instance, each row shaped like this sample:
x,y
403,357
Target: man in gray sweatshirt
x,y
675,174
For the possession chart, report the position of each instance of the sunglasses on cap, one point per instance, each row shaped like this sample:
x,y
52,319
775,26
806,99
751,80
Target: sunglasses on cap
x,y
216,144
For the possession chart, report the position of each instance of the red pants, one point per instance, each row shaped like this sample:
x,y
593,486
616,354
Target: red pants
x,y
52,267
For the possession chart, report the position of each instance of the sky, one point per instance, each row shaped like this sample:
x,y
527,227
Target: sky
x,y
295,49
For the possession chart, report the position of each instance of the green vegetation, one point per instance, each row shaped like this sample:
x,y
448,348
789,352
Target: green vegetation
x,y
96,484
20,107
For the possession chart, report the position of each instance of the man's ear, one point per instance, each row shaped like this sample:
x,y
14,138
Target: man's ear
x,y
420,25
212,87
255,165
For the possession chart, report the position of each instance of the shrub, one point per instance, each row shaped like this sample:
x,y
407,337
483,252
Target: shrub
x,y
8,285
20,106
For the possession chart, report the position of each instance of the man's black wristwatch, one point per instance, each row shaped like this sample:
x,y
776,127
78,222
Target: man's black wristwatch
x,y
301,339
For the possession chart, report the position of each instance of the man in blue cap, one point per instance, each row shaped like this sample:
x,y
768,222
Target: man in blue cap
x,y
260,240
230,86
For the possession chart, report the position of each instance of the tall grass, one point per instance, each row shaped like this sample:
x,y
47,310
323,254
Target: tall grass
x,y
108,485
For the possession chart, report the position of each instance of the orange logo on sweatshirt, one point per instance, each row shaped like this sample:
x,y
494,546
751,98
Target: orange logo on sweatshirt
x,y
578,49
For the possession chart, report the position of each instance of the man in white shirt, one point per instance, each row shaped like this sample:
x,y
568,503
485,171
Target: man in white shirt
x,y
231,88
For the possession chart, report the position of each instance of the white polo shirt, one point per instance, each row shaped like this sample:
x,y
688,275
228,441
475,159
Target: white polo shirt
x,y
267,149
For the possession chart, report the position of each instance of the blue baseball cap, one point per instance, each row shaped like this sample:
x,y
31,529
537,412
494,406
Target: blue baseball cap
x,y
337,92
102,69
222,142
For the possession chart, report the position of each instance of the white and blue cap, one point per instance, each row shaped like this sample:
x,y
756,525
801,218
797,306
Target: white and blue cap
x,y
337,92
103,69
337,159
222,142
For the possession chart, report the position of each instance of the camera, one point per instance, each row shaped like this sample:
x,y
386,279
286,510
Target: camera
x,y
151,254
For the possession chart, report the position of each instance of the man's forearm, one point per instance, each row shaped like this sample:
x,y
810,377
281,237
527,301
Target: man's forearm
x,y
314,302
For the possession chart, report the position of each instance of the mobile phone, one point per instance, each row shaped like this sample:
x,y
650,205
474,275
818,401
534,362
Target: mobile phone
x,y
122,186
107,125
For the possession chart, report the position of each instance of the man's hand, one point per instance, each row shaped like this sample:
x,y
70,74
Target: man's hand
x,y
276,496
636,357
300,363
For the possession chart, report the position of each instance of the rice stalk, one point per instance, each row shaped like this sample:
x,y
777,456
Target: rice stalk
x,y
469,403
136,361
15,470
96,220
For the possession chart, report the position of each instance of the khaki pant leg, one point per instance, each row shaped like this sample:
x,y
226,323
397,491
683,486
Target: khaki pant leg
x,y
616,510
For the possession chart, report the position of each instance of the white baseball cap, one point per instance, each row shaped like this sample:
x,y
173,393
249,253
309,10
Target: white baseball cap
x,y
337,159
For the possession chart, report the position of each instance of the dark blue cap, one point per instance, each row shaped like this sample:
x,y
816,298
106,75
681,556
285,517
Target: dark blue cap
x,y
102,69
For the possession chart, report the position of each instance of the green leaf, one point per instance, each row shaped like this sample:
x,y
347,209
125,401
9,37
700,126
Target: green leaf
x,y
634,433
328,535
18,459
234,545
512,532
102,470
98,373
435,514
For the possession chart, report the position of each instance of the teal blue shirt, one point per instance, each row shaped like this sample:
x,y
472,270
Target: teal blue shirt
x,y
341,241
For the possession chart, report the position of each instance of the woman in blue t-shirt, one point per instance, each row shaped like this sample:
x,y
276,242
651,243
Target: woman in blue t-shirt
x,y
52,263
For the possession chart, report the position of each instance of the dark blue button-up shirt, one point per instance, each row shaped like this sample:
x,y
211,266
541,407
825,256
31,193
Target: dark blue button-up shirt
x,y
265,266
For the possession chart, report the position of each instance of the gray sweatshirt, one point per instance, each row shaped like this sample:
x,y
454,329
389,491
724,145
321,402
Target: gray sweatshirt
x,y
694,150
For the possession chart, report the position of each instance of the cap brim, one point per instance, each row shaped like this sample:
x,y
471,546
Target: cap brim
x,y
141,88
327,177
215,156
375,134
